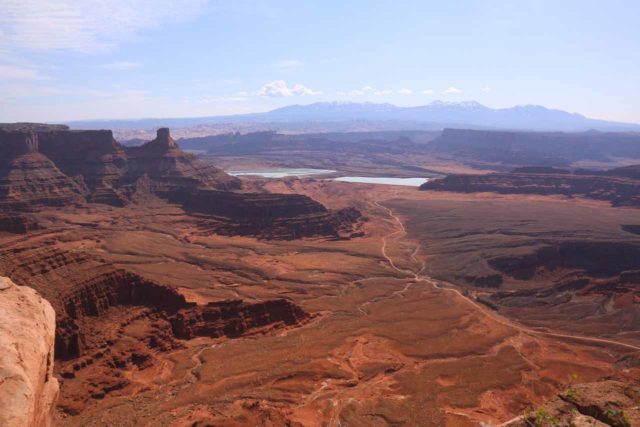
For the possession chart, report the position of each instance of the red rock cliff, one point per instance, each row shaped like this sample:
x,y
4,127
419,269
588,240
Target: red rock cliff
x,y
28,389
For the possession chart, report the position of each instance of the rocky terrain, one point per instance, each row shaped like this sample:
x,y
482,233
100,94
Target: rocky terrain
x,y
54,167
28,388
604,403
620,186
110,319
185,297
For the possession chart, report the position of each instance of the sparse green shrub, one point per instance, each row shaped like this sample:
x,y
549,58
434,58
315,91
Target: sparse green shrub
x,y
571,393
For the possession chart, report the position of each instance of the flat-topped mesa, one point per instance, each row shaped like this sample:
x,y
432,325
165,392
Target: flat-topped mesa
x,y
619,186
267,215
508,149
31,127
74,143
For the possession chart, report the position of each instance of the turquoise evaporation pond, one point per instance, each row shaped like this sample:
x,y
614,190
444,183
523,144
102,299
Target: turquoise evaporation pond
x,y
281,172
409,182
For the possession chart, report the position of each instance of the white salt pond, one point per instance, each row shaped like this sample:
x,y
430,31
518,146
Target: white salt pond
x,y
281,172
302,172
409,182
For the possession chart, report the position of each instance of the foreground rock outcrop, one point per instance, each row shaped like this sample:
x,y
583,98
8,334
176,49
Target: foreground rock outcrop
x,y
28,389
602,403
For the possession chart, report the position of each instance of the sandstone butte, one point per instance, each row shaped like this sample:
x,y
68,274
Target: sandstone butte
x,y
28,389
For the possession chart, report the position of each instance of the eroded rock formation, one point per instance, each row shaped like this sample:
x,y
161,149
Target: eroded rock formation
x,y
30,180
17,223
51,167
28,389
267,215
110,320
172,169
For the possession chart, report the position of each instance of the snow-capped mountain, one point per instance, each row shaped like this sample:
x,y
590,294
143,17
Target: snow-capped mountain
x,y
438,115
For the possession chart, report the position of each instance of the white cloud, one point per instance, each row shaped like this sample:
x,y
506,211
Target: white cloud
x,y
486,89
367,88
279,88
383,92
404,92
121,65
428,92
288,63
20,73
451,90
85,25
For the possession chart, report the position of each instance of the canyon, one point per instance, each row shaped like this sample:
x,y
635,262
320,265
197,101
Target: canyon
x,y
187,297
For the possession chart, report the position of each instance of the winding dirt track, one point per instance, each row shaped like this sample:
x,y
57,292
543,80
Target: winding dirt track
x,y
418,277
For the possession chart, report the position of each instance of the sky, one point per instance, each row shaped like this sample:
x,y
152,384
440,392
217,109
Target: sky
x,y
105,59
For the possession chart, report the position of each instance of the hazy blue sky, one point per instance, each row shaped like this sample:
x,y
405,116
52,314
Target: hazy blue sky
x,y
80,59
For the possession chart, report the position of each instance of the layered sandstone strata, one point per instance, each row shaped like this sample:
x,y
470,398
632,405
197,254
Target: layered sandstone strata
x,y
17,223
44,166
58,167
28,389
171,169
618,186
513,148
30,180
93,158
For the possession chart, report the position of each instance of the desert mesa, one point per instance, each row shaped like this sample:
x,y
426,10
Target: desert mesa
x,y
496,293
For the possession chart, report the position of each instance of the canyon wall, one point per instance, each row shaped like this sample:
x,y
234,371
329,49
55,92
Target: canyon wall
x,y
617,186
28,389
511,148
60,168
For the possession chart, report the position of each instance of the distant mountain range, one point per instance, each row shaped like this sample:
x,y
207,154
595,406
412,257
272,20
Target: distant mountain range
x,y
436,115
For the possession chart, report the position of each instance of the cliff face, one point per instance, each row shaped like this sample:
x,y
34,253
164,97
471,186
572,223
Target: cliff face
x,y
235,318
170,168
541,148
28,389
267,215
110,320
42,167
51,167
30,180
91,157
17,224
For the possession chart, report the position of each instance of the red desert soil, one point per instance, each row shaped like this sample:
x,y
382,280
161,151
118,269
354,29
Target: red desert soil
x,y
384,336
